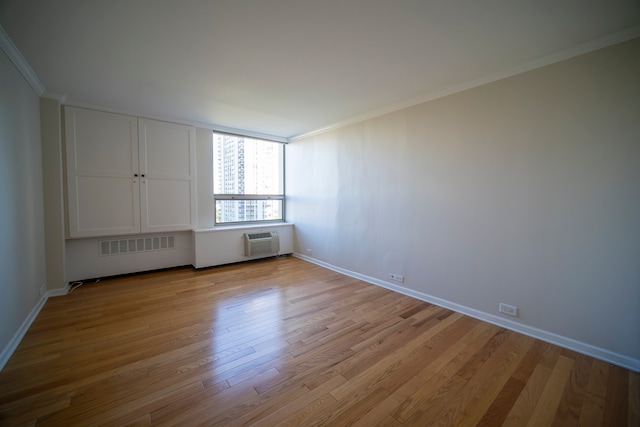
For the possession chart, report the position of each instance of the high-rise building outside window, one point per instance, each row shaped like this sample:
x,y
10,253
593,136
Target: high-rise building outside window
x,y
248,179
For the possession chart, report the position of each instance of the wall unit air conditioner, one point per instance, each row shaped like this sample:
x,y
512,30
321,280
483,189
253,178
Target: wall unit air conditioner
x,y
261,243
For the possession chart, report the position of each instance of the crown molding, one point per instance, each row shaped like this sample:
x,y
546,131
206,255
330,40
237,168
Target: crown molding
x,y
581,49
6,44
62,99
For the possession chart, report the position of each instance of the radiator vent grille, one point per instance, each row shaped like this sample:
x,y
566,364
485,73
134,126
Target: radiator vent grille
x,y
261,243
137,244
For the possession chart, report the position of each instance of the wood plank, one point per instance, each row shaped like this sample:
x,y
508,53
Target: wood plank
x,y
497,413
442,370
297,405
285,342
347,411
568,413
384,368
302,416
544,412
598,379
499,409
527,400
617,400
394,400
592,411
483,387
634,399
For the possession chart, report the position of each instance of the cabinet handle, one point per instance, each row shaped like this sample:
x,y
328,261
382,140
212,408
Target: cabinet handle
x,y
135,174
142,175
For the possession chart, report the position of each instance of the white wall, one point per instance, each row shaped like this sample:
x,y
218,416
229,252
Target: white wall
x,y
204,171
53,175
22,259
524,191
225,245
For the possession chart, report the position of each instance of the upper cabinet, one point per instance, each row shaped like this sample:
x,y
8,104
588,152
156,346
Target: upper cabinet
x,y
167,166
127,175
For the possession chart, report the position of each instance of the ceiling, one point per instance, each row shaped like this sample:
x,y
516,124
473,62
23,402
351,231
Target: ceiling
x,y
289,67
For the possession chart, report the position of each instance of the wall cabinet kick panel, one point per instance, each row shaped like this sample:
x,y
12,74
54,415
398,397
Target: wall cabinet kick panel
x,y
128,175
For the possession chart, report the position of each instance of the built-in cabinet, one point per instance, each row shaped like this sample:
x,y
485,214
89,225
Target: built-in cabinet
x,y
128,175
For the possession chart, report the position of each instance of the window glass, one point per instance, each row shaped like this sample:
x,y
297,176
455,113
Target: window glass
x,y
248,210
248,179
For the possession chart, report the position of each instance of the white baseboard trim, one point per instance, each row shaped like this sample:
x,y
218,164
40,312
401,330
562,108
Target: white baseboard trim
x,y
59,292
559,340
20,333
8,351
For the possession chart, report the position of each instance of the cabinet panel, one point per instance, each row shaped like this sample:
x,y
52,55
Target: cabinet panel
x,y
167,160
107,206
102,159
166,149
101,143
127,175
168,205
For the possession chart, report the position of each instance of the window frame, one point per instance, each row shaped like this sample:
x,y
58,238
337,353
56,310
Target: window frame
x,y
249,197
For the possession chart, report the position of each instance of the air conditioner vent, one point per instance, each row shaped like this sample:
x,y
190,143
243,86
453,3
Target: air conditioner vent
x,y
132,245
261,243
253,236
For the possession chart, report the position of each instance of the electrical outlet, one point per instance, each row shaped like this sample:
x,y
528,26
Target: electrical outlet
x,y
510,310
309,251
396,277
43,289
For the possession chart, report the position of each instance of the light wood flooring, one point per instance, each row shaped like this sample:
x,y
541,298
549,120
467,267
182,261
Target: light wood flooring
x,y
285,342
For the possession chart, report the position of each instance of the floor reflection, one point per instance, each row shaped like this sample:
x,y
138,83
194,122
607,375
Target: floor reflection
x,y
247,327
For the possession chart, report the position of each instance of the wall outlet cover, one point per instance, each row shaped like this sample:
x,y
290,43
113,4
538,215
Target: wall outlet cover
x,y
510,310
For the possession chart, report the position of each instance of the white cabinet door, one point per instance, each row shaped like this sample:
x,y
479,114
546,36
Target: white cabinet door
x,y
167,168
127,175
102,163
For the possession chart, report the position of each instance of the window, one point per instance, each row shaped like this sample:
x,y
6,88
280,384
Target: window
x,y
248,179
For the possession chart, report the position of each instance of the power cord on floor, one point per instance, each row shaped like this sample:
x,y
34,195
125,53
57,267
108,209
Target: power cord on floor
x,y
75,285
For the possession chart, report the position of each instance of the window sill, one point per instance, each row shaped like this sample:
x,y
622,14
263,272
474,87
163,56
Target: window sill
x,y
243,227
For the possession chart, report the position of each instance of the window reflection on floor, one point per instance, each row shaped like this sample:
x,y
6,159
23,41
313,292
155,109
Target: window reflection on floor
x,y
247,327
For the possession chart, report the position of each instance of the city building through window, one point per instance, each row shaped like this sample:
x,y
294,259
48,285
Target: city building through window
x,y
248,179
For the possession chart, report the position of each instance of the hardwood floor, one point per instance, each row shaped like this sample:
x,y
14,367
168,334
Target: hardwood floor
x,y
285,342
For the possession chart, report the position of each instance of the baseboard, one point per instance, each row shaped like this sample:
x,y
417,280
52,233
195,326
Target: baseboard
x,y
15,341
559,340
59,292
